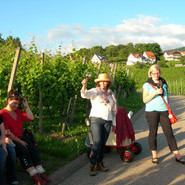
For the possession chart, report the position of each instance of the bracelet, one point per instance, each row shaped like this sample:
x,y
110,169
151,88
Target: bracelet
x,y
26,107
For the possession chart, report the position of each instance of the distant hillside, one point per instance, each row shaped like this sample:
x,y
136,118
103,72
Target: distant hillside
x,y
179,49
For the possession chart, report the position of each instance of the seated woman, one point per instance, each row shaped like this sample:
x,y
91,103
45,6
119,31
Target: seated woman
x,y
25,149
7,156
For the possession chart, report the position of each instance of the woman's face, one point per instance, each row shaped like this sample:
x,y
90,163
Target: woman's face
x,y
14,104
103,85
155,74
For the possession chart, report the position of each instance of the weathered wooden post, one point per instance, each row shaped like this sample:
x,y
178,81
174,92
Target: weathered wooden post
x,y
84,60
114,75
40,100
73,109
112,67
99,67
14,69
65,118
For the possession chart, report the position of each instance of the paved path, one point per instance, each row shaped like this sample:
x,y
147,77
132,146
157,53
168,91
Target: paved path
x,y
141,171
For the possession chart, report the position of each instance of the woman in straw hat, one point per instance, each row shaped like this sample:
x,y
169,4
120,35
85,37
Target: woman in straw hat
x,y
102,116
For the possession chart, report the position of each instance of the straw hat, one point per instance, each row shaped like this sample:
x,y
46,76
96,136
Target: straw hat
x,y
103,78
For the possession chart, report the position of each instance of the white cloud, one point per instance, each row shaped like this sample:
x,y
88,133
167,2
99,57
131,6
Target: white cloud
x,y
141,29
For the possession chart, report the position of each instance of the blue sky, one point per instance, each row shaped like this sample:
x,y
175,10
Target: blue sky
x,y
86,23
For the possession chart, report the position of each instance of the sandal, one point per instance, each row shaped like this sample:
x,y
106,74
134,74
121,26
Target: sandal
x,y
181,160
155,160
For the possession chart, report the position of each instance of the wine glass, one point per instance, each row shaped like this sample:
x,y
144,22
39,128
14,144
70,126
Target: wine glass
x,y
88,75
7,134
160,84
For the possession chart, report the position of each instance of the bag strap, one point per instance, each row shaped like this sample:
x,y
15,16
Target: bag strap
x,y
161,97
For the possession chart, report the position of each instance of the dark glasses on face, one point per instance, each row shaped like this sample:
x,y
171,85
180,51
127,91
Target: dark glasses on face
x,y
15,95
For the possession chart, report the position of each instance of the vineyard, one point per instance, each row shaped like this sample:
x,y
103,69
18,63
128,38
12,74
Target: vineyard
x,y
58,79
174,76
55,80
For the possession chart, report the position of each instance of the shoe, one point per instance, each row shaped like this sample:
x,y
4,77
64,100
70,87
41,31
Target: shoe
x,y
155,160
37,179
180,160
101,167
44,177
92,169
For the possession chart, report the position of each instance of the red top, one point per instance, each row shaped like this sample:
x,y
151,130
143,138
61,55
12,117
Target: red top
x,y
15,126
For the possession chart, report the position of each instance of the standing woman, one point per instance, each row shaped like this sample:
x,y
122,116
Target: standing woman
x,y
26,151
156,111
102,116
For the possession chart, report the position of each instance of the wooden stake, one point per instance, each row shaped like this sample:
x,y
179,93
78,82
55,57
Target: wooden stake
x,y
99,67
73,109
14,69
114,75
65,118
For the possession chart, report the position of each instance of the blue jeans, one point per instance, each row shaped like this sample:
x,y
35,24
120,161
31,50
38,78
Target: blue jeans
x,y
2,164
10,162
100,132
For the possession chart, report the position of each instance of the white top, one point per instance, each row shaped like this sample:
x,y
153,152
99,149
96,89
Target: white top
x,y
106,111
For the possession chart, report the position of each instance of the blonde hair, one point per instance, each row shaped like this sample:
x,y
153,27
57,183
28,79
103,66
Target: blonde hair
x,y
152,68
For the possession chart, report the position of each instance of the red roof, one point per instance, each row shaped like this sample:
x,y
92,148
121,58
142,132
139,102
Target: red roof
x,y
150,55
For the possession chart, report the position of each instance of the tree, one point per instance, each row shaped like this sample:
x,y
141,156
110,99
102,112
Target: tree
x,y
97,50
111,51
15,42
1,39
182,60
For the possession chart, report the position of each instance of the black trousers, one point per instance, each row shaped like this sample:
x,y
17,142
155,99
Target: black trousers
x,y
153,119
29,155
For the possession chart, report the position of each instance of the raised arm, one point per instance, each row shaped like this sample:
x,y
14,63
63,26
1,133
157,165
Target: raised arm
x,y
84,86
27,109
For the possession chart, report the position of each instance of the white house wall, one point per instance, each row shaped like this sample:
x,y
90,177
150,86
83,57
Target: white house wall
x,y
95,59
131,60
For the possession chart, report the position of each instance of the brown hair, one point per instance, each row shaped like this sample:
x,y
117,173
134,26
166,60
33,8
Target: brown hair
x,y
14,95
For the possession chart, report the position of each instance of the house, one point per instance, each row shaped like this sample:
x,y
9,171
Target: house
x,y
97,58
182,53
133,58
150,57
147,57
173,55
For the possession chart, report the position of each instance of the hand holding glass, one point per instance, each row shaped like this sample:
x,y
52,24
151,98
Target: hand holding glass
x,y
7,134
87,75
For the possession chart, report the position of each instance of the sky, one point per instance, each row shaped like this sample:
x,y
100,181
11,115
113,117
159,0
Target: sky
x,y
84,24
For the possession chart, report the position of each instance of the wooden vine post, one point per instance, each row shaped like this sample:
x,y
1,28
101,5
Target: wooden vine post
x,y
73,109
14,69
114,75
99,67
40,100
65,118
112,67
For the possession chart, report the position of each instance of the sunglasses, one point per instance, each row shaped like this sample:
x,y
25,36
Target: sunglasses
x,y
15,95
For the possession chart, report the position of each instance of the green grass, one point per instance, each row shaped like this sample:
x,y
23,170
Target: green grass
x,y
56,151
132,103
